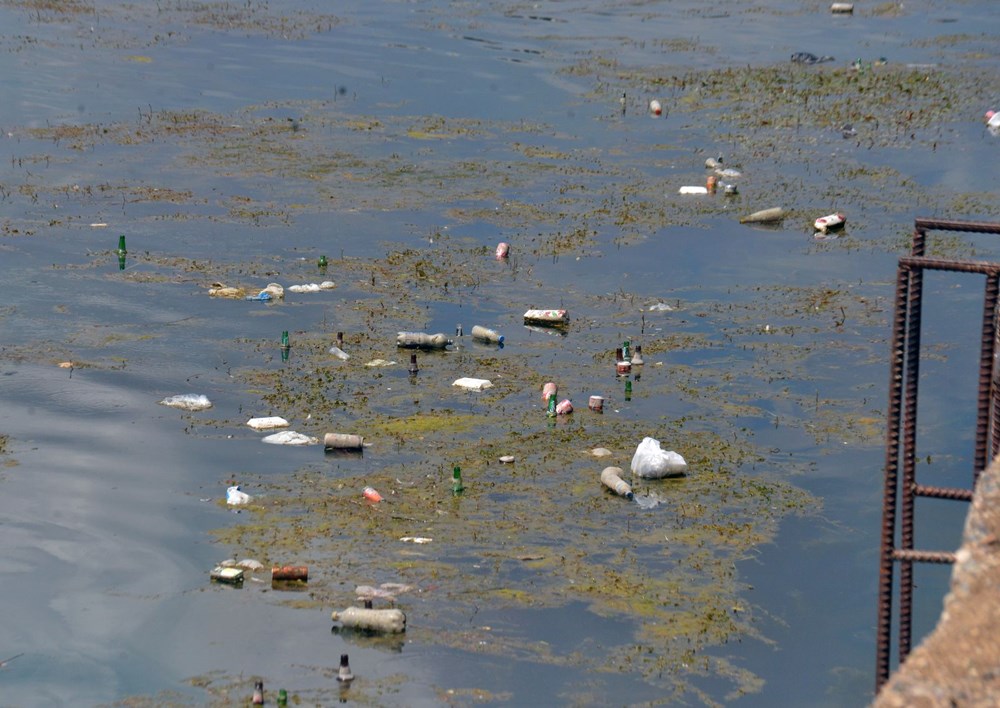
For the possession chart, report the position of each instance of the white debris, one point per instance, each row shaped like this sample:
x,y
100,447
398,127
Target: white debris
x,y
312,287
339,353
416,539
188,401
290,437
473,384
380,362
267,423
234,495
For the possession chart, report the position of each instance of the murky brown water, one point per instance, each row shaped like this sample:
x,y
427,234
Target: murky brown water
x,y
236,143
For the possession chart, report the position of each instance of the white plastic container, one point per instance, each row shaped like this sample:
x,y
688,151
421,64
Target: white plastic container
x,y
764,216
421,340
829,222
611,477
389,620
487,334
547,317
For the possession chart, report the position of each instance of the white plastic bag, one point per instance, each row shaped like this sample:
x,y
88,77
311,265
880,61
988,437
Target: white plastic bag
x,y
651,462
235,495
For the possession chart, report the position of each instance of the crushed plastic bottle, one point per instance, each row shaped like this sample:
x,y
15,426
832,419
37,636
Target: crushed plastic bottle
x,y
388,620
611,478
422,340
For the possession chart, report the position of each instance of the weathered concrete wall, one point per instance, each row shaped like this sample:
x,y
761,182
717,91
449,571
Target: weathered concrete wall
x,y
958,664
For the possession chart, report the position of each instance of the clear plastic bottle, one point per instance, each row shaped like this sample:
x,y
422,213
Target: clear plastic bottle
x,y
422,340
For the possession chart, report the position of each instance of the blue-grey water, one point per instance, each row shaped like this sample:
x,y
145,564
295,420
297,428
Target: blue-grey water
x,y
107,499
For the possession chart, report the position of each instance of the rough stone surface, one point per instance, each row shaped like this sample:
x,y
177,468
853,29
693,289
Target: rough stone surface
x,y
958,664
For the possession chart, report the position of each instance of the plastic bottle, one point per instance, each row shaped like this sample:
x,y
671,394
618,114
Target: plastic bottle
x,y
611,478
637,359
342,441
389,620
258,694
456,481
371,494
992,120
344,673
422,340
764,216
490,335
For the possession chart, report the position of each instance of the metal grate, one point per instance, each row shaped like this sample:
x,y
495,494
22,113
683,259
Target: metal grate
x,y
900,494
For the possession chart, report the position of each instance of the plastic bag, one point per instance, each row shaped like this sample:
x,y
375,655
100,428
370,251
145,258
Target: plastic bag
x,y
235,495
651,462
188,401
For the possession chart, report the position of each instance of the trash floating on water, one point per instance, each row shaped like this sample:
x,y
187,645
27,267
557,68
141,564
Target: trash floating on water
x,y
232,576
601,452
546,317
503,250
487,334
596,403
422,340
385,591
473,384
185,401
267,423
289,437
843,8
809,58
389,620
247,564
647,501
655,107
829,222
507,459
290,572
415,539
549,389
764,216
343,441
312,287
339,353
380,362
222,290
261,296
692,190
729,173
611,478
661,307
235,495
371,495
344,673
652,462
565,407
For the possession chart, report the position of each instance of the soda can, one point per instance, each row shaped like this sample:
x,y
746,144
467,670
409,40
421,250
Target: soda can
x,y
565,407
549,389
290,572
596,403
623,367
503,250
371,495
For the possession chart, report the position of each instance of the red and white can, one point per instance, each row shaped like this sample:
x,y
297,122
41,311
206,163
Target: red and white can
x,y
503,250
829,222
371,495
549,389
564,407
623,367
596,403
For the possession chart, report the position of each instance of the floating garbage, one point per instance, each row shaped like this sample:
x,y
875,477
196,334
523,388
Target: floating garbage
x,y
312,287
267,423
422,340
503,250
507,459
344,673
415,539
222,290
247,564
661,307
729,173
829,222
601,452
235,495
289,437
809,58
655,107
692,190
549,389
187,401
596,403
652,462
611,478
764,216
371,495
389,620
546,317
385,591
290,572
262,296
842,8
339,353
380,362
343,441
487,334
232,576
564,407
473,384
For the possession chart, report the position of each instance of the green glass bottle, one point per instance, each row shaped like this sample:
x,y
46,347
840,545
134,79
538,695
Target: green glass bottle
x,y
456,481
121,245
552,405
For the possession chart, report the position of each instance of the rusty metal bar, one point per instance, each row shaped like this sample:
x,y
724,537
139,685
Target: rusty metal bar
x,y
892,436
925,556
909,441
987,350
901,425
923,490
